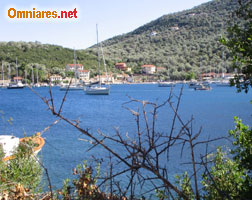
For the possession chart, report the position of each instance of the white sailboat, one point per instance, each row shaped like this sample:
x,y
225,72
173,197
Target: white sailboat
x,y
17,84
74,86
98,89
166,84
2,85
223,82
37,78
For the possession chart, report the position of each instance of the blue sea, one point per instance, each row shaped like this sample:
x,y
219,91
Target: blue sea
x,y
64,148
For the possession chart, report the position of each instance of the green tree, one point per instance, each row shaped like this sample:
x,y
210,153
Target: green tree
x,y
226,179
21,174
242,152
239,42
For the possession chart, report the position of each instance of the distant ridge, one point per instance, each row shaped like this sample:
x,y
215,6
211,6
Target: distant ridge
x,y
181,41
184,42
48,58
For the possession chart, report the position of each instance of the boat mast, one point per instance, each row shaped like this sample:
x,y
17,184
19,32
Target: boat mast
x,y
16,67
2,73
104,63
25,77
201,71
75,68
223,60
37,74
9,71
32,76
98,55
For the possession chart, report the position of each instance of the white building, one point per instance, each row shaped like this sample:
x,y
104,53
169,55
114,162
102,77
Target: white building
x,y
55,78
83,74
105,79
74,67
148,69
160,69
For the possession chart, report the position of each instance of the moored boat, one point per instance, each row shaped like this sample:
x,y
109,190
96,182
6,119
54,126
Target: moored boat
x,y
75,85
193,84
10,143
201,86
223,84
71,87
17,85
98,89
166,84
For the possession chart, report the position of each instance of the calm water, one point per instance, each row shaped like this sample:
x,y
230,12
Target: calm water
x,y
213,110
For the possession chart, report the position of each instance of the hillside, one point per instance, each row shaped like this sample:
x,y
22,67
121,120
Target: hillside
x,y
47,58
185,42
181,41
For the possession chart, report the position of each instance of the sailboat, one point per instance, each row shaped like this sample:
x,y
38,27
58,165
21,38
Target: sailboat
x,y
17,84
2,85
74,86
37,78
223,82
98,89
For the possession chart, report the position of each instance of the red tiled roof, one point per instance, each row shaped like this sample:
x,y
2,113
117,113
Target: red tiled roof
x,y
17,78
148,66
77,65
83,70
120,64
55,75
210,73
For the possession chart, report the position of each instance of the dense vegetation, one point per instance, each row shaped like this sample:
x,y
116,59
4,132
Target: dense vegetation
x,y
186,43
195,43
44,57
227,174
238,41
21,175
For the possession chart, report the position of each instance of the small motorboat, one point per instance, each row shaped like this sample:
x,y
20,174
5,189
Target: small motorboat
x,y
9,144
202,87
166,84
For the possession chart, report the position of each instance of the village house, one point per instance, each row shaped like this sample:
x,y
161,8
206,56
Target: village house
x,y
174,28
74,67
17,79
209,75
122,77
121,66
191,14
148,69
153,33
83,74
104,79
55,77
160,69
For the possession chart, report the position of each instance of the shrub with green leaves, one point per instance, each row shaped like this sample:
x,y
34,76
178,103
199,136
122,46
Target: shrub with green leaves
x,y
24,170
225,179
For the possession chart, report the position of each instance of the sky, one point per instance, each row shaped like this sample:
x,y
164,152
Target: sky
x,y
114,17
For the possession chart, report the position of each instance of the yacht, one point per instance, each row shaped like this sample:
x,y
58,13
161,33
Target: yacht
x,y
166,84
98,89
16,85
75,85
201,86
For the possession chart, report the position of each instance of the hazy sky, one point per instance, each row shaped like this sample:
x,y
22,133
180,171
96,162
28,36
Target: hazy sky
x,y
114,17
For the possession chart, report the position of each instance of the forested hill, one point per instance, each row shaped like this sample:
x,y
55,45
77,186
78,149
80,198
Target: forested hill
x,y
48,58
181,42
178,41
